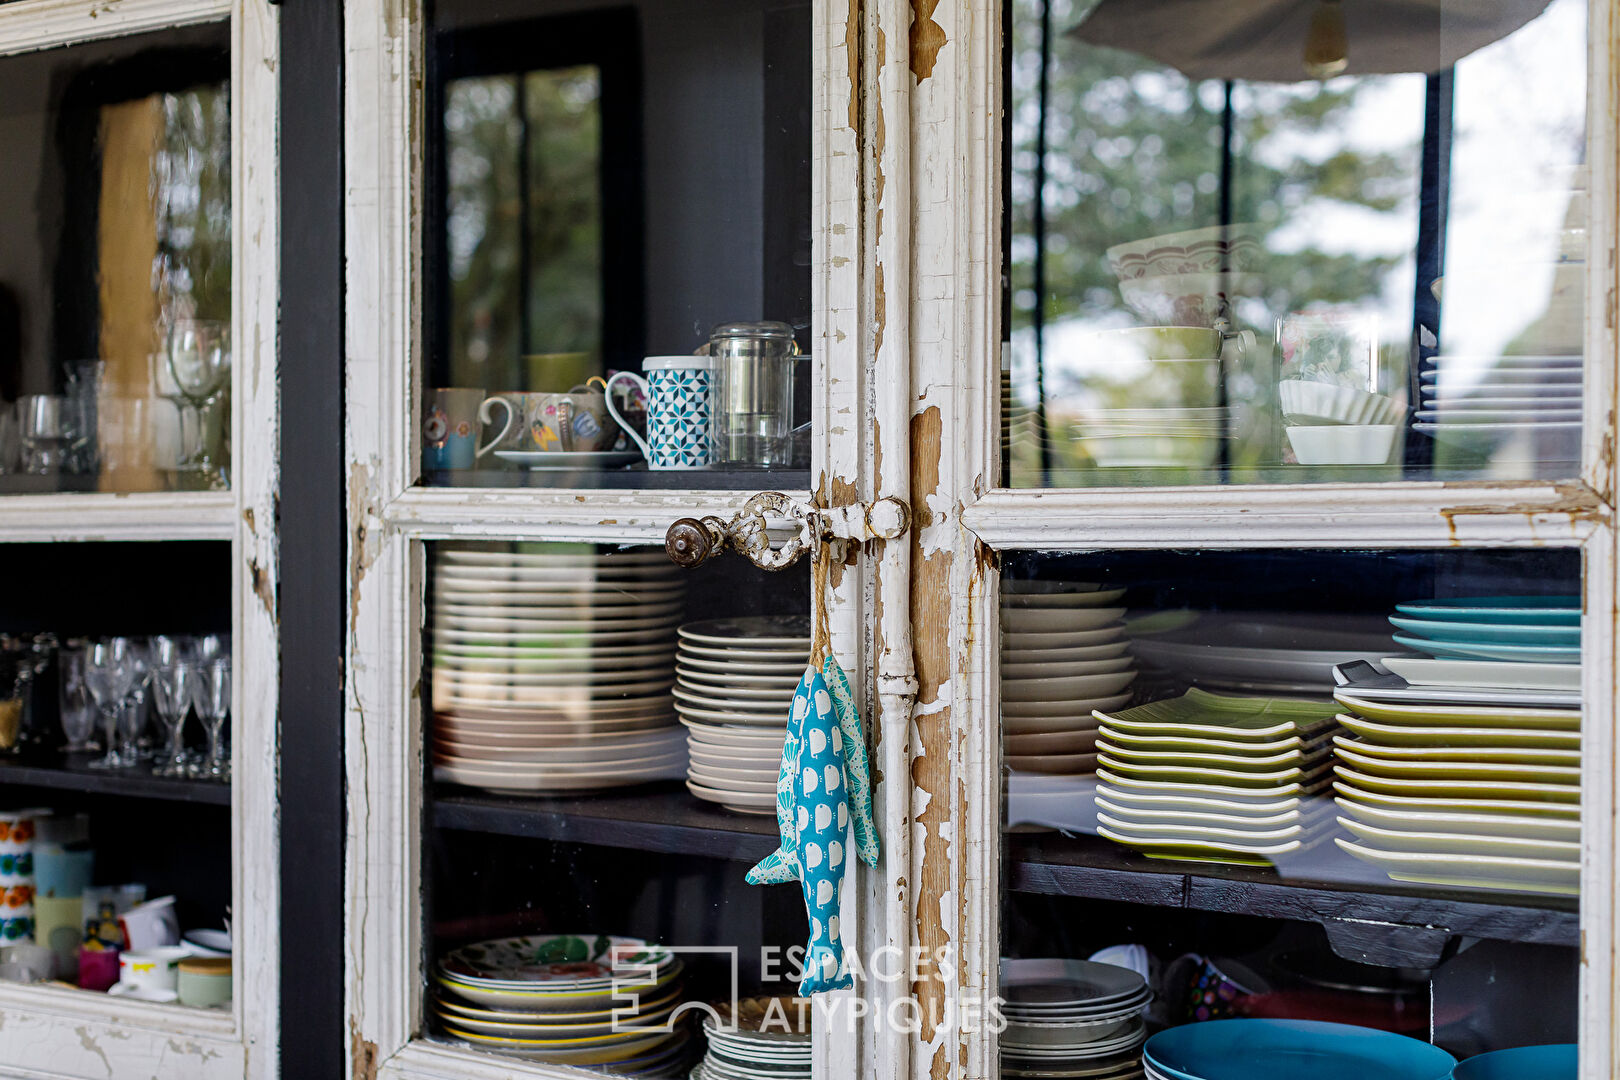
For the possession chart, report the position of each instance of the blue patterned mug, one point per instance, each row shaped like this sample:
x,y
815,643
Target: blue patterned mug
x,y
679,410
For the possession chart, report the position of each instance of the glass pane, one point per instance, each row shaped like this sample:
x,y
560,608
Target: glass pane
x,y
115,265
1306,785
1245,268
84,841
608,189
604,741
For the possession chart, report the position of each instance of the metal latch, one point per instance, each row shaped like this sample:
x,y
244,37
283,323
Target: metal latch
x,y
693,541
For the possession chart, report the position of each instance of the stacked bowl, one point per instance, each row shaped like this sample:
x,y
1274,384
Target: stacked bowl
x,y
1328,424
565,1000
1072,1018
552,668
1188,278
734,688
1290,1050
1225,779
1063,653
1154,397
764,1037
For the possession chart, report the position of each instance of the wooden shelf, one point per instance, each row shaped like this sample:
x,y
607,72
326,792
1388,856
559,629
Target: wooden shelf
x,y
71,773
1339,894
659,817
636,478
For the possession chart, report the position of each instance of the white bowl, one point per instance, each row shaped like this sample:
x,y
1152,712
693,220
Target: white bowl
x,y
1343,444
1186,299
1322,402
1153,451
1233,247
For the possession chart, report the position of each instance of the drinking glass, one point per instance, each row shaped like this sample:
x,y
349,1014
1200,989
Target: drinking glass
x,y
45,424
212,699
132,717
109,673
174,685
77,707
199,356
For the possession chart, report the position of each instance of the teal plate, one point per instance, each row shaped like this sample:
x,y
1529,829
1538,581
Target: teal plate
x,y
1492,632
1291,1050
1528,654
1522,610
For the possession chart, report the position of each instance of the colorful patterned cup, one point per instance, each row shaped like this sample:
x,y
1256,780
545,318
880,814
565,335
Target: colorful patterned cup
x,y
16,878
572,422
679,391
450,428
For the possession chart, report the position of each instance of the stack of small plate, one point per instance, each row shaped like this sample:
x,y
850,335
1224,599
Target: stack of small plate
x,y
764,1037
1508,633
1472,796
563,999
552,669
1224,779
1063,654
1184,438
1482,403
1072,1018
1290,1050
734,688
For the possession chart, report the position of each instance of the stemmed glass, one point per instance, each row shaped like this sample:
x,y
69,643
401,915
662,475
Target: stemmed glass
x,y
212,699
199,356
132,717
78,708
174,685
109,673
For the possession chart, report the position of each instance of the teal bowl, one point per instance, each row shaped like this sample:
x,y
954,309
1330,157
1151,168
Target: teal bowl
x,y
1558,1061
1291,1050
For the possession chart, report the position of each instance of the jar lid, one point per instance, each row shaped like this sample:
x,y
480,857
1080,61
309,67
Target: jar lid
x,y
770,330
206,965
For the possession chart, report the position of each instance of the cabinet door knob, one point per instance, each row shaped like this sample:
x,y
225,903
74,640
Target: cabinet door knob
x,y
691,542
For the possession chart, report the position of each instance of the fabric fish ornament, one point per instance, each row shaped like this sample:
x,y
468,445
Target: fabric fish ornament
x,y
823,784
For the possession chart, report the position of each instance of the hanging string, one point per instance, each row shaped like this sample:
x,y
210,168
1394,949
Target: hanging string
x,y
821,638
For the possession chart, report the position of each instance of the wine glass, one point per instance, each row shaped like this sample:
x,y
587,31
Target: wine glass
x,y
109,674
132,716
199,358
174,685
212,699
77,707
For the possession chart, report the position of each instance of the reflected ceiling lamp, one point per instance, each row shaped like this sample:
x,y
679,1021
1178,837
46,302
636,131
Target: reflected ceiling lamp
x,y
1267,40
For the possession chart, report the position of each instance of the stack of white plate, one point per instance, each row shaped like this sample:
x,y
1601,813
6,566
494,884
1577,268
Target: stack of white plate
x,y
1482,403
734,689
552,670
1072,1018
1227,779
1063,653
1260,652
1472,796
563,999
763,1038
1186,438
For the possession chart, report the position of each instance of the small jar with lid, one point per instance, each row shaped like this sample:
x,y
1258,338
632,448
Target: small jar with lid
x,y
752,422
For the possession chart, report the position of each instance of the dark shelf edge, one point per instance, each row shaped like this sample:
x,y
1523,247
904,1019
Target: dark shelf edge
x,y
140,784
663,822
1545,921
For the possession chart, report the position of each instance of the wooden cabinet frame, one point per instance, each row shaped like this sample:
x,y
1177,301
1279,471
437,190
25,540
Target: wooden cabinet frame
x,y
63,1033
907,279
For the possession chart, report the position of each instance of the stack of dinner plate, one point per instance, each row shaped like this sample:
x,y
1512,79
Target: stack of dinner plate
x,y
1470,795
763,1037
552,668
1063,653
734,689
1205,776
1517,642
1185,438
1072,1018
565,999
1270,652
1486,404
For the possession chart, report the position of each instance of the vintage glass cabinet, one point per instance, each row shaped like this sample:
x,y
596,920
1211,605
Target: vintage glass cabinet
x,y
138,486
1363,368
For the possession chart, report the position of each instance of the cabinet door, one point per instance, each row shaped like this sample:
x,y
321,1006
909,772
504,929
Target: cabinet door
x,y
1124,623
563,749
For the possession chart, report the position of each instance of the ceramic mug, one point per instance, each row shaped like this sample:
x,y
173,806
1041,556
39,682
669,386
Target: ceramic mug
x,y
679,392
152,925
450,428
149,973
575,421
98,968
205,981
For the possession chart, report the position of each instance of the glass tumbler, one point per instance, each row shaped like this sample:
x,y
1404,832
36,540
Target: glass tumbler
x,y
45,421
753,388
